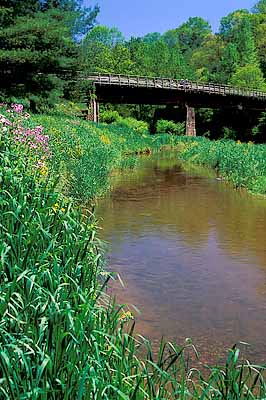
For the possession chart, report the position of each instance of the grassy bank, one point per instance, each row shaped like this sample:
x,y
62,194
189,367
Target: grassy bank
x,y
242,164
85,154
88,153
61,337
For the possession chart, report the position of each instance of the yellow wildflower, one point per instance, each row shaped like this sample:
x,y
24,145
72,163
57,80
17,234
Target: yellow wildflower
x,y
55,207
105,139
44,170
238,142
250,143
78,151
126,316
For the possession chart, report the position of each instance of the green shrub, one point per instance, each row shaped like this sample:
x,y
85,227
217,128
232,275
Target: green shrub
x,y
134,125
109,116
170,127
66,108
229,133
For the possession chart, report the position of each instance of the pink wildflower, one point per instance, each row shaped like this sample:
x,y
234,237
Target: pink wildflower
x,y
4,120
18,108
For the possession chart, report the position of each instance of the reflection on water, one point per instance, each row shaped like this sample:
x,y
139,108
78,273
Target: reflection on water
x,y
191,252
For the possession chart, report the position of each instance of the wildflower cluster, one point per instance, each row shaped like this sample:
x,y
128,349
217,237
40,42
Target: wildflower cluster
x,y
35,142
18,108
34,138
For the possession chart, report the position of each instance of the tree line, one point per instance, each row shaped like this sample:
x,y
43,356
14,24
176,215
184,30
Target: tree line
x,y
235,55
44,42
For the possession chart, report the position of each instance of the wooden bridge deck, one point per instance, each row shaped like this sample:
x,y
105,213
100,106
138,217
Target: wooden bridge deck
x,y
129,89
131,81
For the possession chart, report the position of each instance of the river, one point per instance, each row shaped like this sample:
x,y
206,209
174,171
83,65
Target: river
x,y
191,251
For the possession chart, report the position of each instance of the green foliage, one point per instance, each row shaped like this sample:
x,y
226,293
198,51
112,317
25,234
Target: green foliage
x,y
38,51
259,130
243,164
103,50
229,61
61,336
206,59
34,49
134,125
10,9
67,108
158,57
192,34
109,116
108,37
249,76
170,127
236,28
259,29
229,133
260,7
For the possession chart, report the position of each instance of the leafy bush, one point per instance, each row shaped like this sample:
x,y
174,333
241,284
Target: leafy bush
x,y
134,125
109,116
249,76
259,130
66,108
229,133
170,127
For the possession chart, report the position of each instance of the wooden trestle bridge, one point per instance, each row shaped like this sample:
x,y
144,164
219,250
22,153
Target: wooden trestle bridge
x,y
127,89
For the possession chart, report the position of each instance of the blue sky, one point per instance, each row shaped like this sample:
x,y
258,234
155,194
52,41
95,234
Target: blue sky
x,y
138,17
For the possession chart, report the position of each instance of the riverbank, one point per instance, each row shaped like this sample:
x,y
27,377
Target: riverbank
x,y
61,336
87,153
242,164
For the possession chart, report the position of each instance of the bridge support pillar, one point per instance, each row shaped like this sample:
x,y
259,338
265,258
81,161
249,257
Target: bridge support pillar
x,y
94,111
191,121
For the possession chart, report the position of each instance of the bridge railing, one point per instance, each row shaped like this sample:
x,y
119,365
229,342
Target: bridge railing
x,y
173,84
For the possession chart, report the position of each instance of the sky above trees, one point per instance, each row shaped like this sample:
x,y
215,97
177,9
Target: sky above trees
x,y
138,17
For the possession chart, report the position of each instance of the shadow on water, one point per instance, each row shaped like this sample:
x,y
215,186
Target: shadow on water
x,y
191,252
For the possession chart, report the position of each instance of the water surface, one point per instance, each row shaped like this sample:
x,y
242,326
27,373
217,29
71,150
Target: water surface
x,y
191,252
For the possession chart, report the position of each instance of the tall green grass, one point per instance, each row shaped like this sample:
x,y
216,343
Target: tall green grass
x,y
86,154
242,164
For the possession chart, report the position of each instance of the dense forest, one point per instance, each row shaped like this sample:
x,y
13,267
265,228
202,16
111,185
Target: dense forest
x,y
44,44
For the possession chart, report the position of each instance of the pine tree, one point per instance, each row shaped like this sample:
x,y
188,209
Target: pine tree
x,y
37,48
81,19
11,9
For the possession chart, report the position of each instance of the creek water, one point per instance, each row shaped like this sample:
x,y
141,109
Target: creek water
x,y
191,251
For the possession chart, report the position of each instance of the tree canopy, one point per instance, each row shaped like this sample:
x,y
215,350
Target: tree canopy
x,y
41,40
38,47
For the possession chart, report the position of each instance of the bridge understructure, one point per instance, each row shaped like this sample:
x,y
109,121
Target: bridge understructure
x,y
122,89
